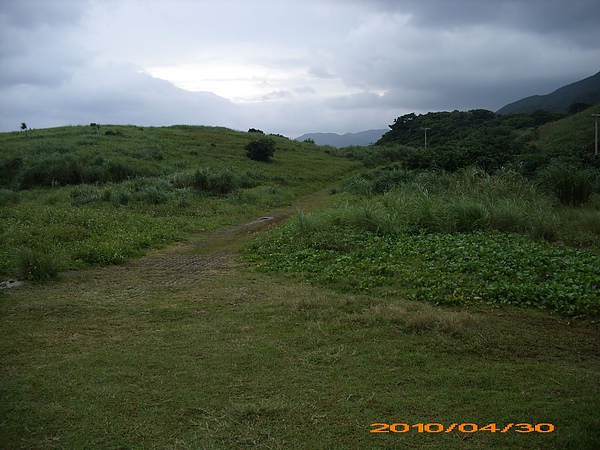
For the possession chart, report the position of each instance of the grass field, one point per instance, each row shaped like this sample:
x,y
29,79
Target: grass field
x,y
188,338
163,353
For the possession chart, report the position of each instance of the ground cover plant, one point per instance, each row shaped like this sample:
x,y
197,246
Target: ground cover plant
x,y
446,238
491,268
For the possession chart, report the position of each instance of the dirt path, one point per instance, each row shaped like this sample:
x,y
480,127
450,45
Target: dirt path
x,y
196,258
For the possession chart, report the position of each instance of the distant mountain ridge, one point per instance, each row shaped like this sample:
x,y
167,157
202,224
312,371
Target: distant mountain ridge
x,y
344,140
583,91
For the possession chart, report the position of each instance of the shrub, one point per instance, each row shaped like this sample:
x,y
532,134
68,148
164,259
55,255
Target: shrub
x,y
9,168
8,197
35,265
153,195
222,182
155,191
51,170
85,193
122,197
260,149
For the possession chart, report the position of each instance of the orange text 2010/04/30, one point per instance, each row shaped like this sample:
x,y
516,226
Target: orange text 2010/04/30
x,y
461,427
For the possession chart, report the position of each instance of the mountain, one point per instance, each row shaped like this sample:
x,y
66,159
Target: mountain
x,y
584,91
344,140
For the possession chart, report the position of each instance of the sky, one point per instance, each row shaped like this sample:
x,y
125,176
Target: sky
x,y
285,67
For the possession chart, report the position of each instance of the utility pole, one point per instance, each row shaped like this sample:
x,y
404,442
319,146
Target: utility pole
x,y
425,130
595,116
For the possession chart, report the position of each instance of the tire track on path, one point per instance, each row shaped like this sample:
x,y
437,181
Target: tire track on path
x,y
197,258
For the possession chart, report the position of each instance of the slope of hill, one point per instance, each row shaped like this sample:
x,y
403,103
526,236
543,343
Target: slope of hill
x,y
583,91
87,196
571,135
345,140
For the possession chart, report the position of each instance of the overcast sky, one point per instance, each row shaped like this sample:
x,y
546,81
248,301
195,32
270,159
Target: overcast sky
x,y
286,67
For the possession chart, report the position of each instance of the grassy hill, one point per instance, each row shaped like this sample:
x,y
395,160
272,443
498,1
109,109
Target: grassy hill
x,y
572,135
80,196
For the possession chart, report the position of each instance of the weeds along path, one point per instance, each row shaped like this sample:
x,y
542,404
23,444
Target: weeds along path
x,y
197,258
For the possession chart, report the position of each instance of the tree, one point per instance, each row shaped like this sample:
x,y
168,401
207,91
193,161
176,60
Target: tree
x,y
578,107
260,149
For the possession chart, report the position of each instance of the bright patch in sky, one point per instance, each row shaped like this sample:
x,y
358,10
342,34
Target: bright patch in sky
x,y
243,82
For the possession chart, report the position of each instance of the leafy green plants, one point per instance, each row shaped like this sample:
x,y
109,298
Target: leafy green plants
x,y
490,267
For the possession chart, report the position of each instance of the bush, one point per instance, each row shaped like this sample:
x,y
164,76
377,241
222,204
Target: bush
x,y
208,180
155,190
9,168
84,194
51,170
36,265
260,149
8,197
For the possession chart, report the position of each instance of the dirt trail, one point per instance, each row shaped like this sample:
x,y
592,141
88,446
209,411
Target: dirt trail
x,y
196,258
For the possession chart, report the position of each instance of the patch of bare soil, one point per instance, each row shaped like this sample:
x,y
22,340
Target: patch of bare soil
x,y
195,259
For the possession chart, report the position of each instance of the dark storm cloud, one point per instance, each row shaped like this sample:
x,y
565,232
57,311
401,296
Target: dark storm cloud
x,y
291,67
574,20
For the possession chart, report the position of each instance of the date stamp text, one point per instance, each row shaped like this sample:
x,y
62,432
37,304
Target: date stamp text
x,y
461,428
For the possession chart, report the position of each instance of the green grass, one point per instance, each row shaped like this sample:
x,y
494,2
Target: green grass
x,y
467,237
569,136
191,347
97,199
114,358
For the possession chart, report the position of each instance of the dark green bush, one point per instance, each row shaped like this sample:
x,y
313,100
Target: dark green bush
x,y
8,197
36,265
9,168
51,170
260,149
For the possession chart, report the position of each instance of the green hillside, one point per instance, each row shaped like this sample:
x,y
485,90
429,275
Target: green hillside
x,y
84,196
583,91
83,154
573,135
460,139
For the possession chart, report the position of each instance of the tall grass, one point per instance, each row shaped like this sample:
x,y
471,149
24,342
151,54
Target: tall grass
x,y
207,180
573,186
9,197
440,202
36,265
